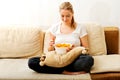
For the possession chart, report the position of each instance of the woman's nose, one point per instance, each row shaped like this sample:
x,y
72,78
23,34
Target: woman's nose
x,y
64,19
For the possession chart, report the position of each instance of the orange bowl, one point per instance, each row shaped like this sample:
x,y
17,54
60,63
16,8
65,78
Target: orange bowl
x,y
61,48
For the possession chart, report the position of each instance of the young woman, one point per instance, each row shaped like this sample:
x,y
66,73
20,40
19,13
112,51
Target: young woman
x,y
66,31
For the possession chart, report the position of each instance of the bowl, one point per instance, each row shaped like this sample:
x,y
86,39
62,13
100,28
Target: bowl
x,y
61,48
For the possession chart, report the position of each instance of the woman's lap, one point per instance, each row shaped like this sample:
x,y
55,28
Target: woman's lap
x,y
82,63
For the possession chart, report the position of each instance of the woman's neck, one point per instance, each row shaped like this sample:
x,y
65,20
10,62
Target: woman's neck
x,y
65,29
66,25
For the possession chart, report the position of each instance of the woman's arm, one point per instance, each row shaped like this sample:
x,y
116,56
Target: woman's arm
x,y
84,42
51,42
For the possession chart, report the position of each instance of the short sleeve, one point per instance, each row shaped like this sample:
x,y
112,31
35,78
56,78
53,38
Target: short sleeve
x,y
53,29
83,31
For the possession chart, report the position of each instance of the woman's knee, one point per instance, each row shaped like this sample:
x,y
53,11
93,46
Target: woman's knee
x,y
32,62
89,59
84,63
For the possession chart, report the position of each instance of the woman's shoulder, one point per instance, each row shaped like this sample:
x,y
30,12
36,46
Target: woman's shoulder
x,y
54,28
80,26
56,24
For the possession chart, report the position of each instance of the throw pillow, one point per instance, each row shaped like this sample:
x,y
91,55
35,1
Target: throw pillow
x,y
56,60
96,39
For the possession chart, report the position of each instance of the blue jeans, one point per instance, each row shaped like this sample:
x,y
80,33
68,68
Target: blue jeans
x,y
82,63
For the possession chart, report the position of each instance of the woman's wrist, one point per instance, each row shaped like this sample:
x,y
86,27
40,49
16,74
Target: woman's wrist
x,y
51,48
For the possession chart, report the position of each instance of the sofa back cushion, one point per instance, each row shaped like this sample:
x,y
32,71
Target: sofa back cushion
x,y
20,41
96,38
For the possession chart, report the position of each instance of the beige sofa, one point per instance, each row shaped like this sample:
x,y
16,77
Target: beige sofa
x,y
18,44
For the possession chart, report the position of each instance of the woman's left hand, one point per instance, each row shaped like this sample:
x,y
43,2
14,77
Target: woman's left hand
x,y
70,48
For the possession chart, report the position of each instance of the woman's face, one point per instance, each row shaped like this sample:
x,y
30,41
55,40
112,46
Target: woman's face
x,y
66,16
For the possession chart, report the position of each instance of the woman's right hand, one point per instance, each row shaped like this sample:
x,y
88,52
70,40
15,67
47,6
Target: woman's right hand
x,y
51,43
51,46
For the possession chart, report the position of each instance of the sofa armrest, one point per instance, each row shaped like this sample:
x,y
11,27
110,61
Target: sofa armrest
x,y
112,39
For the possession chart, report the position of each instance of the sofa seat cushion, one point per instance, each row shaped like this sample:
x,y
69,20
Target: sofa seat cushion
x,y
106,63
20,41
17,69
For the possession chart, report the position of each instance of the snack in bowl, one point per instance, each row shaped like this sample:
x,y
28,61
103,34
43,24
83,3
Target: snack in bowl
x,y
61,48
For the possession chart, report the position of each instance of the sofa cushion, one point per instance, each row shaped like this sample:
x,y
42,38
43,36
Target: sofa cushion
x,y
106,63
96,38
17,69
20,41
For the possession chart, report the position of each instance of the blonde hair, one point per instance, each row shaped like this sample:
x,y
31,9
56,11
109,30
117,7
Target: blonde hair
x,y
68,6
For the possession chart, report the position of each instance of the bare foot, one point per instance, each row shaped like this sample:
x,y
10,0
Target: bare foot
x,y
73,73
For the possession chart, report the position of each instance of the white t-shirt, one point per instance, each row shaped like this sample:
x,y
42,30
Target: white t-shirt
x,y
73,38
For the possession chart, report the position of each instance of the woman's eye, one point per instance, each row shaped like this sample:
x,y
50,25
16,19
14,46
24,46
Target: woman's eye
x,y
68,16
65,16
62,16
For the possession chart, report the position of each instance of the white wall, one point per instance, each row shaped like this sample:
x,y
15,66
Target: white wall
x,y
45,12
